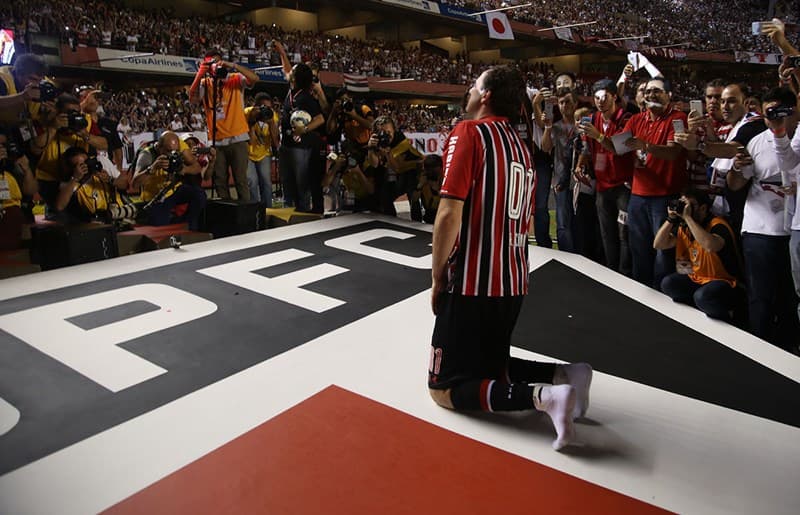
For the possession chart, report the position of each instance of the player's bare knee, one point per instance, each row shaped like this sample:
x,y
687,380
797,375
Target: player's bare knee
x,y
441,397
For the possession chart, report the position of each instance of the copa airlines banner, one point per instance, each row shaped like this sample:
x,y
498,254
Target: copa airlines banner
x,y
420,5
455,11
158,63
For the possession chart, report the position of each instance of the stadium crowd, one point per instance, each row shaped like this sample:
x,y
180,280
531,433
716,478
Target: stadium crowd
x,y
112,24
663,22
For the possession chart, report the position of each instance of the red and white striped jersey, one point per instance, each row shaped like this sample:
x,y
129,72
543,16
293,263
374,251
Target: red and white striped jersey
x,y
487,165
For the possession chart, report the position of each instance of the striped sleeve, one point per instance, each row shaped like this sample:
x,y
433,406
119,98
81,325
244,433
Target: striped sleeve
x,y
460,161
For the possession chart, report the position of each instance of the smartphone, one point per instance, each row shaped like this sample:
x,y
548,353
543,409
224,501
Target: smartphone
x,y
757,28
678,126
202,150
696,106
548,110
742,150
586,119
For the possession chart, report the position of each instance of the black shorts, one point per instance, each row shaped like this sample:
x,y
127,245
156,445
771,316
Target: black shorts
x,y
471,338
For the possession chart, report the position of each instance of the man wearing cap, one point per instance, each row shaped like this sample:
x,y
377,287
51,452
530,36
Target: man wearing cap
x,y
225,118
613,173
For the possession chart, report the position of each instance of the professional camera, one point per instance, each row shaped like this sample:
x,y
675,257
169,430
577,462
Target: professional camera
x,y
384,139
347,106
677,205
219,70
778,112
47,91
93,165
175,162
264,114
76,121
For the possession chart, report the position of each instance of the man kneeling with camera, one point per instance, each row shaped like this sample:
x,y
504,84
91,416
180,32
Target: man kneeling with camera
x,y
91,192
706,257
160,171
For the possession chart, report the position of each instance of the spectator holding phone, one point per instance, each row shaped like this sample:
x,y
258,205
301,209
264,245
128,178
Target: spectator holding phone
x,y
659,174
765,236
613,173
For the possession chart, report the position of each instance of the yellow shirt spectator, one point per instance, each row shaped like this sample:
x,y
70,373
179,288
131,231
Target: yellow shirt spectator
x,y
10,193
158,178
48,168
261,146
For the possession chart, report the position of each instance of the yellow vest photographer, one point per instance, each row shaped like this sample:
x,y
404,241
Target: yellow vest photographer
x,y
91,191
159,172
64,127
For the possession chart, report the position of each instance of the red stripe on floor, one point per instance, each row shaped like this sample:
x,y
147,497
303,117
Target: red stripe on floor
x,y
341,453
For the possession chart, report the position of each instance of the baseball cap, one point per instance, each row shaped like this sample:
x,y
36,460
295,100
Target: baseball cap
x,y
189,136
85,91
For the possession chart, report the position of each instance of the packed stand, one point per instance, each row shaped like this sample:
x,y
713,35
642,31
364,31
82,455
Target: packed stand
x,y
664,22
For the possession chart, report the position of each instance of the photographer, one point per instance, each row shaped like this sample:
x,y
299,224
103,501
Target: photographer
x,y
227,124
359,188
354,120
19,87
63,128
92,191
103,126
428,187
205,158
160,172
393,160
16,180
706,256
264,138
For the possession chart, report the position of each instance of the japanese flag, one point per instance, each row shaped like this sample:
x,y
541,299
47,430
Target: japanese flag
x,y
499,27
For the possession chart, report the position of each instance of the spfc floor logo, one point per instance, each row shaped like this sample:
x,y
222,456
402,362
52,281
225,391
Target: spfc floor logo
x,y
122,346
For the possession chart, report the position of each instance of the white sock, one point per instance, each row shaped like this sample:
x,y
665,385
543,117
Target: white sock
x,y
557,401
579,375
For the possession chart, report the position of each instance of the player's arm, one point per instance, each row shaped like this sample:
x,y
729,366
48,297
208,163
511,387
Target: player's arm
x,y
445,232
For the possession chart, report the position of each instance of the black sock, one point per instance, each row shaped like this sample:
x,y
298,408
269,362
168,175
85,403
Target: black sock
x,y
490,395
522,370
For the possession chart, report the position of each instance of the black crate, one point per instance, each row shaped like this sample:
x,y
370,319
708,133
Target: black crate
x,y
56,245
229,217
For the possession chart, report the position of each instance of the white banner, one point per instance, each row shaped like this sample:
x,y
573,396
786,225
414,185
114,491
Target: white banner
x,y
758,58
127,60
428,142
564,33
